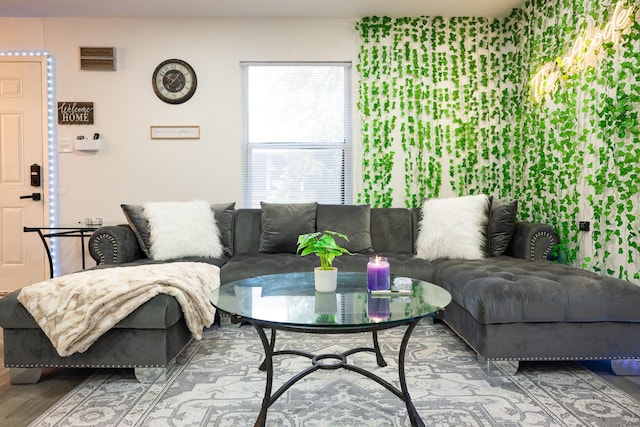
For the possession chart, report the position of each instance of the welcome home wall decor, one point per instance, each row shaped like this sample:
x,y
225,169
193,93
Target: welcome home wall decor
x,y
75,113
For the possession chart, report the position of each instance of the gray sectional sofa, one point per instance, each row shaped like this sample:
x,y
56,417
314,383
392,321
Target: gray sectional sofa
x,y
511,305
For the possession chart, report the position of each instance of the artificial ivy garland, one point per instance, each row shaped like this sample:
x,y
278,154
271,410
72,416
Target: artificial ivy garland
x,y
446,104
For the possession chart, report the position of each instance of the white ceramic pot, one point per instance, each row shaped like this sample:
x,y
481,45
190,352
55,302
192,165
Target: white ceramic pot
x,y
326,280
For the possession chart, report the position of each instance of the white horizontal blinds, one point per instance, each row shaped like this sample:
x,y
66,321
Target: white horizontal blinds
x,y
297,142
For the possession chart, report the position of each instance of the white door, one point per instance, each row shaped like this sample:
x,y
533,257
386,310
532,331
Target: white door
x,y
22,144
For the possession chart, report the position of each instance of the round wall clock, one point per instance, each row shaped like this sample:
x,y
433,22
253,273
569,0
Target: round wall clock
x,y
174,81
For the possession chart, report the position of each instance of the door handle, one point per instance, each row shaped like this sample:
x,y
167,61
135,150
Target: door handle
x,y
32,196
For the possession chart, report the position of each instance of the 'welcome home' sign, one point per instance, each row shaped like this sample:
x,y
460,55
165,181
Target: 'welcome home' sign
x,y
75,113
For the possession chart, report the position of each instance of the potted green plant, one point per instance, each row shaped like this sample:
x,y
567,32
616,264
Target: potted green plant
x,y
324,245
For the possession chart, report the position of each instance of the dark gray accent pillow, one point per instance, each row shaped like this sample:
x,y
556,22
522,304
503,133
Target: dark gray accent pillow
x,y
354,221
222,212
502,222
140,226
283,223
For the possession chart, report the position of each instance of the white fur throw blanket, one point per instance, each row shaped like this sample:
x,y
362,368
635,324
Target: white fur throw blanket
x,y
74,310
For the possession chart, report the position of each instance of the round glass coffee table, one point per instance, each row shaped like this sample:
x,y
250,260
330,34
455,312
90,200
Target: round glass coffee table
x,y
289,302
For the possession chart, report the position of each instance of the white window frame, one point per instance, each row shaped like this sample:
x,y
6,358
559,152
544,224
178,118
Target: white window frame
x,y
346,146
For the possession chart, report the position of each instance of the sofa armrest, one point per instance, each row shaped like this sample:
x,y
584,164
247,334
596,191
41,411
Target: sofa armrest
x,y
115,244
532,241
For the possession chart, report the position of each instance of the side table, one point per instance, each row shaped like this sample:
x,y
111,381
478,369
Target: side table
x,y
48,232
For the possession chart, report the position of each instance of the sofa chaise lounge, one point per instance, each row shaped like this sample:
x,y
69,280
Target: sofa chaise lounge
x,y
512,304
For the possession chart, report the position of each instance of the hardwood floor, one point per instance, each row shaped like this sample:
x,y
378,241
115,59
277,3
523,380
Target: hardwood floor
x,y
21,404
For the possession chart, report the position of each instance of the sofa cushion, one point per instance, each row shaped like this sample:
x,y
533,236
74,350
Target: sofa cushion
x,y
247,265
283,223
392,230
454,227
502,222
243,266
507,290
220,261
223,213
182,229
351,220
160,312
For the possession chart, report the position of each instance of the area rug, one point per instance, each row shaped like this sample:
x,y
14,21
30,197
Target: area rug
x,y
216,382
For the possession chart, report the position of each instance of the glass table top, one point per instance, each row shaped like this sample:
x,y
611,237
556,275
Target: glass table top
x,y
291,299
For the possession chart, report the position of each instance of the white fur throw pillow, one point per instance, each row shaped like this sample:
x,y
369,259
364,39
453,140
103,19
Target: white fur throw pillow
x,y
453,228
182,229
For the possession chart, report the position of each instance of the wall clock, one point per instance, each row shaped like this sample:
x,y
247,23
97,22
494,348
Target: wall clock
x,y
174,81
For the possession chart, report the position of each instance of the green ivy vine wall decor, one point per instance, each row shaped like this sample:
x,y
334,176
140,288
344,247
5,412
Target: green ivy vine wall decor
x,y
453,106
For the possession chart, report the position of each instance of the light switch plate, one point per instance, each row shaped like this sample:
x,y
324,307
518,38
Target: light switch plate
x,y
65,145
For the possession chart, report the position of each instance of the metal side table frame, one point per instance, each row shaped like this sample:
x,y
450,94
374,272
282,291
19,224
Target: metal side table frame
x,y
49,232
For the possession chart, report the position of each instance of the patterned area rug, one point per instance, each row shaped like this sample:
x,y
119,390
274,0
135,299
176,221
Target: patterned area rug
x,y
216,382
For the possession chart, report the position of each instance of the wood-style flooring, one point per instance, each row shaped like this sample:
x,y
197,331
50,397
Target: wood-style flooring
x,y
21,404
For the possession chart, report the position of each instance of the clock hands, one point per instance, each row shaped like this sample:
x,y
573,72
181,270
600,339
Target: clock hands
x,y
174,81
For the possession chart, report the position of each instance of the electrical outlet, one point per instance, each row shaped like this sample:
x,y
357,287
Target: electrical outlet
x,y
584,225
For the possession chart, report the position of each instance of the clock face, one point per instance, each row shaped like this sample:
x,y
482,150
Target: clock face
x,y
174,81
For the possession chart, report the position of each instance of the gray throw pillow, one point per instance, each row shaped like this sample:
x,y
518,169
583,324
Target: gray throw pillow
x,y
140,226
502,222
283,223
222,212
354,221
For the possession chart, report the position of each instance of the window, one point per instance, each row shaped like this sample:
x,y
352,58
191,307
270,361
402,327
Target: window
x,y
297,133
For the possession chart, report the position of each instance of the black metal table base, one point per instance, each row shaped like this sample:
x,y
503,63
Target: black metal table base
x,y
81,232
333,361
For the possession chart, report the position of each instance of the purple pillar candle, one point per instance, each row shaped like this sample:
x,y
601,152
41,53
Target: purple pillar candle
x,y
378,273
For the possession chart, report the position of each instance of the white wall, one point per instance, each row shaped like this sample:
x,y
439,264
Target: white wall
x,y
132,168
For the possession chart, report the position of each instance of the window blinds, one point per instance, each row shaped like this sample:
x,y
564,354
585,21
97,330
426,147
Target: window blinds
x,y
297,135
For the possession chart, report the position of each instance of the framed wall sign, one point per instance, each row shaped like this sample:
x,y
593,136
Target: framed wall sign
x,y
175,132
75,113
